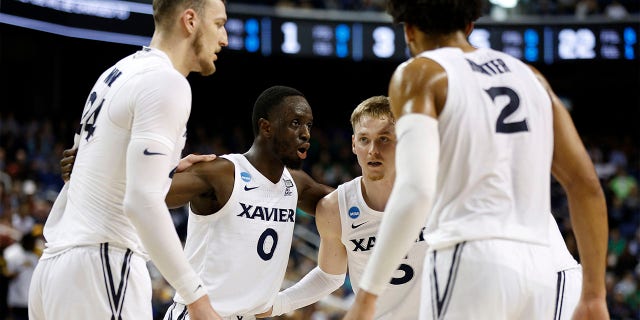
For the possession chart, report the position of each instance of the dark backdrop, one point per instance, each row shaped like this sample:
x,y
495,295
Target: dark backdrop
x,y
45,75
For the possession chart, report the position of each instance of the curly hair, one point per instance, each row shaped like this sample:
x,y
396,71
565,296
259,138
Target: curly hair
x,y
436,16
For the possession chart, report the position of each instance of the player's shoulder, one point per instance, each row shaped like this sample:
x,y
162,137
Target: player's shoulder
x,y
219,163
419,69
328,207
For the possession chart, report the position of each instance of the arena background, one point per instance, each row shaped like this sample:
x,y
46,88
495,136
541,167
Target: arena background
x,y
47,75
45,78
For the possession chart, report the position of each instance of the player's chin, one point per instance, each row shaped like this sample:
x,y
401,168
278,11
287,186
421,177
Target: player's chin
x,y
293,163
207,67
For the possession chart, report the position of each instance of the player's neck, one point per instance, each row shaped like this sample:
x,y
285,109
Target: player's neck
x,y
176,50
376,192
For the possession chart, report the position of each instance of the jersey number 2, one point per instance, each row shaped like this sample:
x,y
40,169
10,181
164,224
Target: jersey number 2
x,y
514,103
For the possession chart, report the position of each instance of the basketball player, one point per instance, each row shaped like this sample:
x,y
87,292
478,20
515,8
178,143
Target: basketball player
x,y
348,220
346,241
243,207
374,145
111,217
478,133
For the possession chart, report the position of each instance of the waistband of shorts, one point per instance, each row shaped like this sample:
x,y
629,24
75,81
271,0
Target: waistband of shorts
x,y
231,317
112,247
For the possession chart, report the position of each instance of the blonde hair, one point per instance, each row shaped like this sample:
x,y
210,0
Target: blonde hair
x,y
376,106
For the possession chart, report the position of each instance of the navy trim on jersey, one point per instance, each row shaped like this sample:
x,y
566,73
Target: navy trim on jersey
x,y
560,285
181,316
439,306
116,299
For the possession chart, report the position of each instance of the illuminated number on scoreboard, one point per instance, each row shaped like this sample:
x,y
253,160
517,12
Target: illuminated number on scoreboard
x,y
343,35
252,40
322,36
630,39
290,43
531,41
512,43
235,29
480,38
578,44
384,42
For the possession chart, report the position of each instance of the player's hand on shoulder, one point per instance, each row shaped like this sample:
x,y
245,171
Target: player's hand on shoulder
x,y
192,159
66,164
201,310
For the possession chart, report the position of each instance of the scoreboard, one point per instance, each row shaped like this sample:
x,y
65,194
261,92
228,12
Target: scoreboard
x,y
552,43
322,34
275,36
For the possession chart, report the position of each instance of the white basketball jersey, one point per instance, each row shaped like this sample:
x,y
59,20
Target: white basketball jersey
x,y
241,252
360,225
496,140
562,257
89,209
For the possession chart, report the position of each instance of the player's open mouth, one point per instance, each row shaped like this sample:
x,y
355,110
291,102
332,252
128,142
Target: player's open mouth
x,y
302,153
374,163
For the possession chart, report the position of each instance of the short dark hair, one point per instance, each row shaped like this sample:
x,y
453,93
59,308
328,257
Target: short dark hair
x,y
164,9
268,100
436,16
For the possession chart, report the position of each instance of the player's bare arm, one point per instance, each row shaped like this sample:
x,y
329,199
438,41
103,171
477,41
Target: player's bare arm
x,y
332,263
418,86
332,255
573,168
206,185
309,191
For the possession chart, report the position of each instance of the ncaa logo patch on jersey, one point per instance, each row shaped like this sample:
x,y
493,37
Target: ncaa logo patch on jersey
x,y
354,212
245,176
288,184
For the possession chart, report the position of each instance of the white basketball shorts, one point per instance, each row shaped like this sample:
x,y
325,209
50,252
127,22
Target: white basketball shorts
x,y
492,279
91,282
178,311
568,290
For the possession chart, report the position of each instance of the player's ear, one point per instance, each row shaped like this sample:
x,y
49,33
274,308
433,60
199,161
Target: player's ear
x,y
353,143
469,29
189,21
265,126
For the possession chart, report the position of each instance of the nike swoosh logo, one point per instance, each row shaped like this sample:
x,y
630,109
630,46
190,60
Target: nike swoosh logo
x,y
149,153
249,188
353,226
199,286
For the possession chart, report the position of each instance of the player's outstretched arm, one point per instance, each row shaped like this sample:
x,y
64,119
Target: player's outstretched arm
x,y
331,271
573,168
190,182
309,191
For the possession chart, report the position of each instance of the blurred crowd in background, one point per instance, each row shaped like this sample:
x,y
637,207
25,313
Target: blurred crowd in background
x,y
30,151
